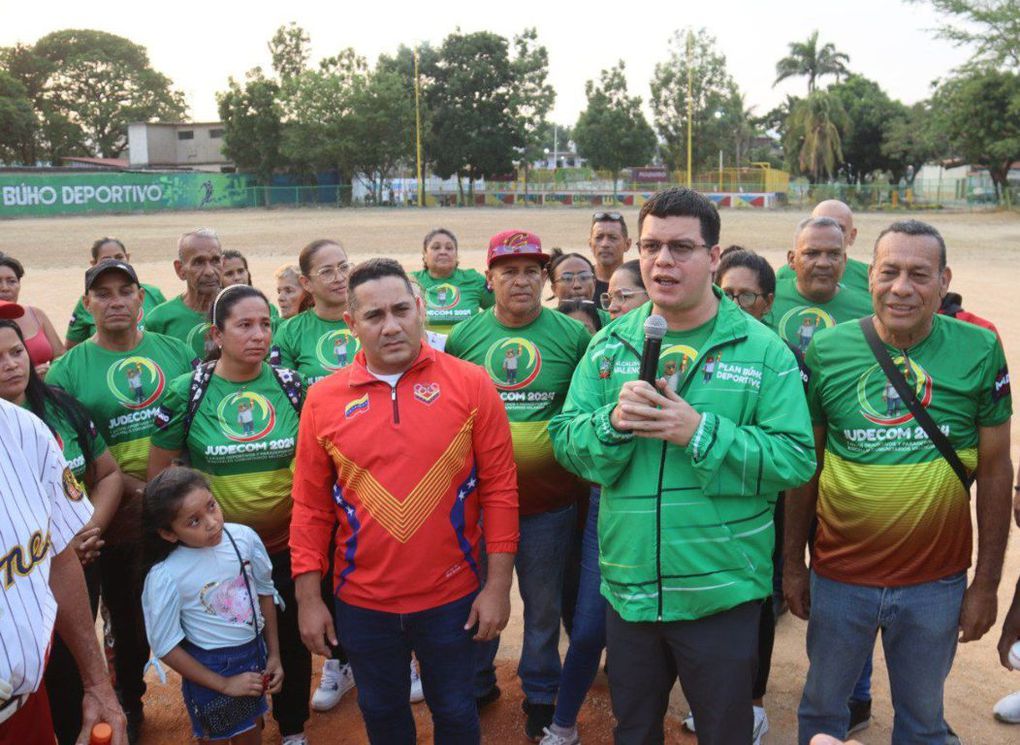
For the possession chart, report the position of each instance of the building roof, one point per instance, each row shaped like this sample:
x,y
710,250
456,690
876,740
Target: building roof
x,y
111,164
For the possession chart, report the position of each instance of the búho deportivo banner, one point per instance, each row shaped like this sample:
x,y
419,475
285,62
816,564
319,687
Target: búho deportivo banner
x,y
40,194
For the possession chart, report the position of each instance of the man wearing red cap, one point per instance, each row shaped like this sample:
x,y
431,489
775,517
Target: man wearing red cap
x,y
530,353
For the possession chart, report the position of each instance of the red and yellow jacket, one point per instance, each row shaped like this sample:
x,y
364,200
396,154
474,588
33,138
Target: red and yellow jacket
x,y
407,471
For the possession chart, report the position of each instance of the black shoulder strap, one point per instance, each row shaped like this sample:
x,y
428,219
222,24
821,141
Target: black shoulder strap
x,y
291,385
248,587
921,415
199,385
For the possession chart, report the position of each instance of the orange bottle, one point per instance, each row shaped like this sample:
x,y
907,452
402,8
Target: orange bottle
x,y
102,734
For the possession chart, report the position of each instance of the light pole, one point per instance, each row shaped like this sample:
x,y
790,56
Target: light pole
x,y
417,128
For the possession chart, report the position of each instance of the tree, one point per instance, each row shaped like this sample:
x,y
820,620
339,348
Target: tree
x,y
382,125
911,140
718,107
289,51
870,112
992,26
101,82
979,112
253,124
533,97
611,132
814,129
807,59
17,121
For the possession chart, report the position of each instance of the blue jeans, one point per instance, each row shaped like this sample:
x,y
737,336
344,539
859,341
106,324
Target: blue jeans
x,y
589,632
379,647
540,561
919,625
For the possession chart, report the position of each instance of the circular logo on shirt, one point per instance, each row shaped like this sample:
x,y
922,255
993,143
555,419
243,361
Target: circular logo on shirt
x,y
513,363
443,296
674,362
799,325
136,382
879,400
336,349
245,416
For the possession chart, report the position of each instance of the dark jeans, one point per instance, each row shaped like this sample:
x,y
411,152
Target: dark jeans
x,y
715,659
379,646
121,582
290,705
63,681
766,642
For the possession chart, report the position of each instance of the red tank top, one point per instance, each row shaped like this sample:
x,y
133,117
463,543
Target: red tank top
x,y
40,351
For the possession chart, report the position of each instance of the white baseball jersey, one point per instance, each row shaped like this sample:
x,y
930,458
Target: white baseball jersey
x,y
42,507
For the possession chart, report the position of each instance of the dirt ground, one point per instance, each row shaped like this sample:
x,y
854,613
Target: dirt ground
x,y
983,252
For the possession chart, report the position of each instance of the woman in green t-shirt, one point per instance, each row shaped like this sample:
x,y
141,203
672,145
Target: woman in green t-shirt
x,y
90,464
451,294
236,419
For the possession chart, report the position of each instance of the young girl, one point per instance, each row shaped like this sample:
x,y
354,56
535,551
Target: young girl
x,y
200,615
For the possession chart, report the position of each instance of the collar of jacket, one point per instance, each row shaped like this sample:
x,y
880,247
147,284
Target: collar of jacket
x,y
731,325
361,376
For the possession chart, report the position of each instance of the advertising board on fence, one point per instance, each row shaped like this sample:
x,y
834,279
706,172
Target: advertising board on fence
x,y
35,194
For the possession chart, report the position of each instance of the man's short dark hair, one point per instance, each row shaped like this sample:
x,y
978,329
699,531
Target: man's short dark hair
x,y
373,269
915,227
683,202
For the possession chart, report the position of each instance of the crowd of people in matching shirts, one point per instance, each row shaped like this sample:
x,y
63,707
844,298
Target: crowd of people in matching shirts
x,y
205,568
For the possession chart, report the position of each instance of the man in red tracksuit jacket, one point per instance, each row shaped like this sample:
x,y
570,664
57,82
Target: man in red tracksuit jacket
x,y
406,447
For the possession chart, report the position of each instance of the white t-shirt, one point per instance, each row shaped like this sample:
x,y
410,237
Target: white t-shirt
x,y
199,594
42,507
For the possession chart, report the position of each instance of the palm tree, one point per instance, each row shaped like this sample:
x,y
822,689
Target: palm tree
x,y
816,122
807,59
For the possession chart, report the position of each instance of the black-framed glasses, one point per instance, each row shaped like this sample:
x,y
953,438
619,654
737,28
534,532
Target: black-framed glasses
x,y
680,251
607,217
744,299
620,296
571,277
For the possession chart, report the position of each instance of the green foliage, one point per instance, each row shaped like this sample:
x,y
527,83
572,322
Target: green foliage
x,y
253,127
611,132
289,51
17,121
991,26
809,60
382,125
870,112
719,117
813,131
100,83
913,139
979,112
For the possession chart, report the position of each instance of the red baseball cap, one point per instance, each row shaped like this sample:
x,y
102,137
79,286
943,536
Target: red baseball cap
x,y
511,243
10,310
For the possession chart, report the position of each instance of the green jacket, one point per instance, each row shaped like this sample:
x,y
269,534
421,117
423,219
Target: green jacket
x,y
687,532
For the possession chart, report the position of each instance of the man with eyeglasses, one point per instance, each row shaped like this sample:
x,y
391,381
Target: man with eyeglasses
x,y
688,479
199,264
816,299
608,241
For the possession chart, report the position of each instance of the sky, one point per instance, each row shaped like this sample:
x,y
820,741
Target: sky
x,y
199,45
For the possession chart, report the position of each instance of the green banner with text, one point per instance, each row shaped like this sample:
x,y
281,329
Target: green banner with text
x,y
43,194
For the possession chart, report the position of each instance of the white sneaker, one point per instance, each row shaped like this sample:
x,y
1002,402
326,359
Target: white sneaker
x,y
688,723
417,694
1008,709
299,739
336,680
761,725
553,738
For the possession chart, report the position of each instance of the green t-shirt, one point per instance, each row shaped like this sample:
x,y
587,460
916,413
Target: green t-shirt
x,y
243,438
856,274
67,438
453,299
122,390
797,319
82,325
891,511
174,318
531,367
313,346
680,349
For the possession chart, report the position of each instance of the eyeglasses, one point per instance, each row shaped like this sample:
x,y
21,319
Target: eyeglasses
x,y
744,299
680,251
619,297
607,217
571,277
329,273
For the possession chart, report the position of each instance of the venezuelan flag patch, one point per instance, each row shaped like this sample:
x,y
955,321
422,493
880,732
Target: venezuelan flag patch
x,y
356,406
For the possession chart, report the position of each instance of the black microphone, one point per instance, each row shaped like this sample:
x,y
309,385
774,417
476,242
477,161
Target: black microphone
x,y
655,329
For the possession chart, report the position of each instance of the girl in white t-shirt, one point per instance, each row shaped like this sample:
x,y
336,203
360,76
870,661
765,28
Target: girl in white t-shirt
x,y
206,618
